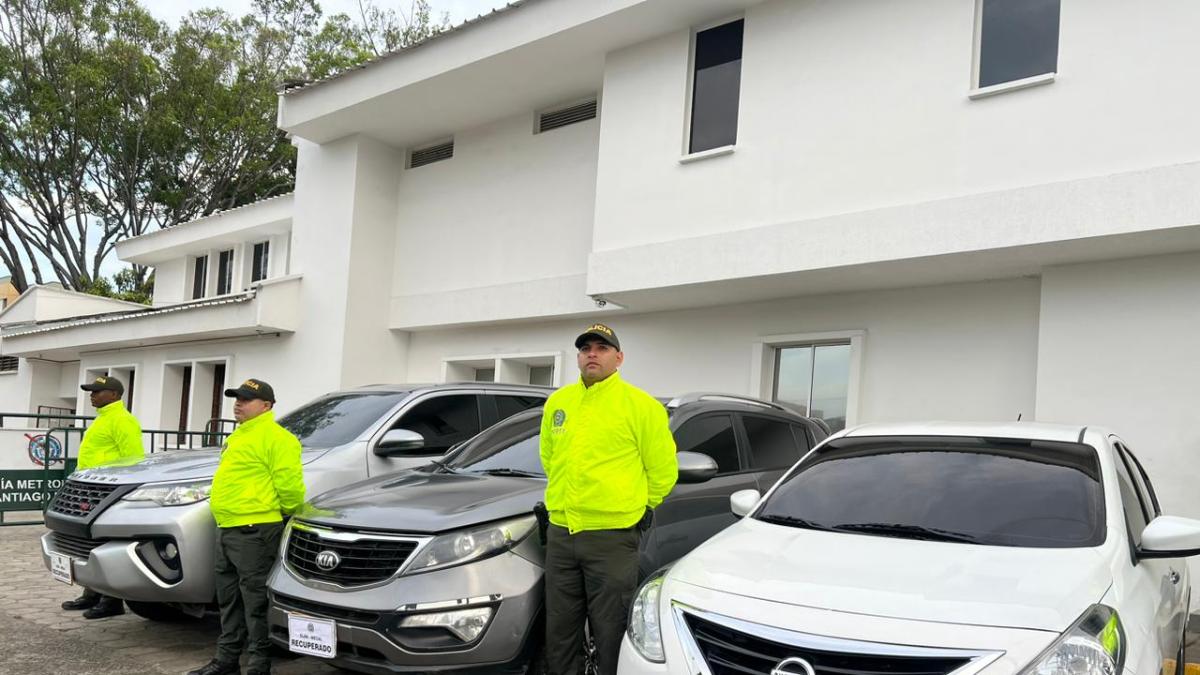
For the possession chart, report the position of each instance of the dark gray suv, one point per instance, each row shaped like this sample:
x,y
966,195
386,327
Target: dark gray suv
x,y
440,567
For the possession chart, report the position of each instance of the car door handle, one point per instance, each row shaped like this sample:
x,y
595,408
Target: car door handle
x,y
1173,576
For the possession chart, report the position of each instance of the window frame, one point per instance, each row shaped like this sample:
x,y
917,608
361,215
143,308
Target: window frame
x,y
199,273
266,272
764,355
686,154
978,92
225,278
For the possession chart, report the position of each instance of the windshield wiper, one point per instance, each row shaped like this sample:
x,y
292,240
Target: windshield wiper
x,y
909,531
442,466
509,472
792,521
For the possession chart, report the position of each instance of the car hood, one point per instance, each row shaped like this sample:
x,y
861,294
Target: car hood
x,y
419,501
1041,589
169,465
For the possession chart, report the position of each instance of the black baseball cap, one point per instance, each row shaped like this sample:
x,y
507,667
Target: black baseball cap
x,y
598,330
252,388
104,383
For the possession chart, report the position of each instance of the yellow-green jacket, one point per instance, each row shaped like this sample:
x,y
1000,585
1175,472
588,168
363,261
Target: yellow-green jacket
x,y
114,436
259,478
608,454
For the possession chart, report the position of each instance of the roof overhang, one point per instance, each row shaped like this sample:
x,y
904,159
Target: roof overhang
x,y
219,230
530,57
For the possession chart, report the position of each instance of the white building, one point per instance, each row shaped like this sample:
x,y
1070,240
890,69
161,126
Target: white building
x,y
960,210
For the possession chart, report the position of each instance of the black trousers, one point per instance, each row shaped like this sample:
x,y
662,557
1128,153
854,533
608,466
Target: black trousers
x,y
244,559
590,575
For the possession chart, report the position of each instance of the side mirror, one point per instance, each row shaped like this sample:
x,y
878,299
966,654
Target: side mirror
x,y
695,467
399,442
1170,537
743,502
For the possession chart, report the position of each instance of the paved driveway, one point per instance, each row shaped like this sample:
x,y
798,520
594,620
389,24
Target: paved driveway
x,y
42,638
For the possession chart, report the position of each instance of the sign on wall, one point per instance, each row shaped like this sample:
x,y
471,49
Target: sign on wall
x,y
33,465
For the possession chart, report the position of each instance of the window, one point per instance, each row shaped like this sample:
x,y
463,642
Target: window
x,y
485,375
199,276
507,406
815,379
541,375
1136,514
260,261
338,419
713,436
443,421
1149,497
510,445
1036,494
772,445
716,82
224,272
803,438
1017,39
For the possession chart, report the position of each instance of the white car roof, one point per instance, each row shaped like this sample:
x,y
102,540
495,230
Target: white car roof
x,y
1070,433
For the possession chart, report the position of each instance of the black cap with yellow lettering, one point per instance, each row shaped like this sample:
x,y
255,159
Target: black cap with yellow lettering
x,y
598,330
104,383
251,389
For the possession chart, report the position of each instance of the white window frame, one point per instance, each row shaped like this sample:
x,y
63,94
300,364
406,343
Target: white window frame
x,y
503,364
977,92
765,350
190,280
685,155
249,265
92,372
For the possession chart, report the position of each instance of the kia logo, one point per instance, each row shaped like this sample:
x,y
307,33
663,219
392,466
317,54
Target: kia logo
x,y
327,560
793,666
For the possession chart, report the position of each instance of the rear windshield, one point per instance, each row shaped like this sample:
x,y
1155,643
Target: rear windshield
x,y
971,490
340,418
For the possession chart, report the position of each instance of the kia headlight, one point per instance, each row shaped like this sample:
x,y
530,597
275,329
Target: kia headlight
x,y
645,628
464,546
1093,645
171,494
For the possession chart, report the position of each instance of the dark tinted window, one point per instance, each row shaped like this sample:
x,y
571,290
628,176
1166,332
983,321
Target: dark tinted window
x,y
1019,39
716,84
259,261
510,445
772,445
443,420
199,276
1135,514
224,272
1149,498
507,406
713,436
802,438
334,420
1032,494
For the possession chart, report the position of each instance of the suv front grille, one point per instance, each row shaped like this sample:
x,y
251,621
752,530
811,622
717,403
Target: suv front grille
x,y
729,651
363,559
76,547
80,499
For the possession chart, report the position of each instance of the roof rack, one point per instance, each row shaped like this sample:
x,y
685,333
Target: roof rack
x,y
696,396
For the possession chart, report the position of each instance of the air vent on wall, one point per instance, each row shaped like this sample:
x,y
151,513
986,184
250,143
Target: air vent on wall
x,y
553,119
430,154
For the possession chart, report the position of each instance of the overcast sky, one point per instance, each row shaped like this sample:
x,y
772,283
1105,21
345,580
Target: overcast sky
x,y
458,10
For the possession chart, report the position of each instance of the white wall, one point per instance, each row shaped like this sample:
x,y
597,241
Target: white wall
x,y
171,283
510,206
849,106
957,352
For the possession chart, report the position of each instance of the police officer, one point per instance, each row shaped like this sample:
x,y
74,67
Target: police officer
x,y
113,437
258,481
610,458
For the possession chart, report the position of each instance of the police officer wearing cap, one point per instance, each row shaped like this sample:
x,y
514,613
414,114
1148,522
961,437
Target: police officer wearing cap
x,y
609,458
258,482
113,437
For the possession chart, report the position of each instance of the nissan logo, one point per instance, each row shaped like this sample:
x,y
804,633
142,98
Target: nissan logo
x,y
327,560
793,666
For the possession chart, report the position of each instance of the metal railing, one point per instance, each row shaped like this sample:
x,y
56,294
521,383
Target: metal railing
x,y
56,444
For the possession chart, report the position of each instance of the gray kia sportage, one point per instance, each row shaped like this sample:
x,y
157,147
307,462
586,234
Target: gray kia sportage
x,y
440,567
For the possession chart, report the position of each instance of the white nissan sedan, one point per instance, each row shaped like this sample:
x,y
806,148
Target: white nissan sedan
x,y
931,549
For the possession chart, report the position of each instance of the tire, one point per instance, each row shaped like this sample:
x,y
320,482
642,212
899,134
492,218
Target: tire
x,y
159,611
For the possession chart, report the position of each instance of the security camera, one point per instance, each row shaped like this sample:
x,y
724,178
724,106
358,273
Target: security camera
x,y
600,302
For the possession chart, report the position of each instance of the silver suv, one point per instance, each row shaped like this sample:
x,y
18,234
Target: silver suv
x,y
144,532
440,567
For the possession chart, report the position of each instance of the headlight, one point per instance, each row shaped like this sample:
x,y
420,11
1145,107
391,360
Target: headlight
x,y
171,494
464,546
1093,645
645,631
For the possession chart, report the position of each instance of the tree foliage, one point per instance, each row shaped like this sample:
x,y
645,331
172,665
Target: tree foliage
x,y
114,124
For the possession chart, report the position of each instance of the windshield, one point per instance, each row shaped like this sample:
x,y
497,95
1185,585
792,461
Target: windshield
x,y
983,491
339,418
510,446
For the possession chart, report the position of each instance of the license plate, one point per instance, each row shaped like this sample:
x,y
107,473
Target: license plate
x,y
314,637
61,569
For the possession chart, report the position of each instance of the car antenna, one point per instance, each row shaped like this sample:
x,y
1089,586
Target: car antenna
x,y
1018,417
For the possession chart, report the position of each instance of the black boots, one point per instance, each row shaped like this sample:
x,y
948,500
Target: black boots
x,y
216,667
106,607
